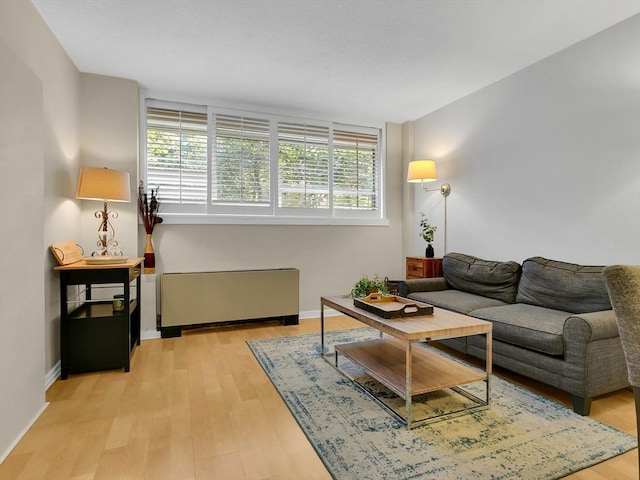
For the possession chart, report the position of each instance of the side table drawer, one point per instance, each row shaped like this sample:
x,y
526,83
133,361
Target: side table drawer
x,y
423,267
415,268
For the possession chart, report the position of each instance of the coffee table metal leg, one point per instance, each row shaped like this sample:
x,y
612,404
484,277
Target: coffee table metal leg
x,y
322,351
409,375
489,364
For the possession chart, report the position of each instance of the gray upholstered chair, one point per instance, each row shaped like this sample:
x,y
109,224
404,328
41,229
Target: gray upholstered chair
x,y
623,284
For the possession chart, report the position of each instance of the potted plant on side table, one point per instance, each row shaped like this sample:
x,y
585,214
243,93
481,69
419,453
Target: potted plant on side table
x,y
427,233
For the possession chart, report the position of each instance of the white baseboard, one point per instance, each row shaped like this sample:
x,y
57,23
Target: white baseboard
x,y
6,453
52,375
149,334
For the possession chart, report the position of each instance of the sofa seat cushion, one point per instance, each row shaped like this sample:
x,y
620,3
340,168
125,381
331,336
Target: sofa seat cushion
x,y
455,300
528,326
498,280
563,286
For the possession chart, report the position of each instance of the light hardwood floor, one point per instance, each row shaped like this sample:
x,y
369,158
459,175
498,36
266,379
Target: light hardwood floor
x,y
201,407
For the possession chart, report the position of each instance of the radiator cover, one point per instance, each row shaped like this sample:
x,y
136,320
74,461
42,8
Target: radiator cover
x,y
201,298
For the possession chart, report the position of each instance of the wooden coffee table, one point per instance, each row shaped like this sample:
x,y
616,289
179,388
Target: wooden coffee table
x,y
408,369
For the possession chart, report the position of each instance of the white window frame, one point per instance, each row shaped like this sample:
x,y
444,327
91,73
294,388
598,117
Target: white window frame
x,y
272,214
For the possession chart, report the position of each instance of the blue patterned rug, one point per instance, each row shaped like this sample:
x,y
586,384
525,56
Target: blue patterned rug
x,y
523,435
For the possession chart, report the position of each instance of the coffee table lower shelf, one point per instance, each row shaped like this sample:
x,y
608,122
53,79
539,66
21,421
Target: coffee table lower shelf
x,y
384,359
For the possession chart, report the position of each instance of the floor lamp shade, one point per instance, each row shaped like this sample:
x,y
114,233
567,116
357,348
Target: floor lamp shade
x,y
422,171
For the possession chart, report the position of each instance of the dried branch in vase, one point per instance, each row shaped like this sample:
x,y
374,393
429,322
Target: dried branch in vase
x,y
148,208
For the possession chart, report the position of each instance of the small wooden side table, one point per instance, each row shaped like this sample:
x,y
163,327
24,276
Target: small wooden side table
x,y
94,336
423,267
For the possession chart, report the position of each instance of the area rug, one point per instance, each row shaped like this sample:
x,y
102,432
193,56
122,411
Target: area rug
x,y
522,435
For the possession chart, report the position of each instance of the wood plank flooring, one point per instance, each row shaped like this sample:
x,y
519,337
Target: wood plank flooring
x,y
201,407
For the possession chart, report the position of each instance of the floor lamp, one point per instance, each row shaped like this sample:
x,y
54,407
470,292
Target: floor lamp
x,y
423,172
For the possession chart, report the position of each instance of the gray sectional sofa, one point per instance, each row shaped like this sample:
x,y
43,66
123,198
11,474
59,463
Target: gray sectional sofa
x,y
552,321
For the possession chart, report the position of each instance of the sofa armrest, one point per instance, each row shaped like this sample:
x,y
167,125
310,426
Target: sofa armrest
x,y
592,326
405,287
595,362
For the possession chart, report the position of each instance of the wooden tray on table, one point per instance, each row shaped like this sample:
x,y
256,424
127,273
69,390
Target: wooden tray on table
x,y
392,306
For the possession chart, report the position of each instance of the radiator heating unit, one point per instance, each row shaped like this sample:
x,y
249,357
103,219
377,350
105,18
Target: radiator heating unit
x,y
228,297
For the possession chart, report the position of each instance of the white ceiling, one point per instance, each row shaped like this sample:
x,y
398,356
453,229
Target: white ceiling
x,y
365,61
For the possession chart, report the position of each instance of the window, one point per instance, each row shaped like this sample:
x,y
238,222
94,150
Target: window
x,y
303,166
355,170
177,156
238,167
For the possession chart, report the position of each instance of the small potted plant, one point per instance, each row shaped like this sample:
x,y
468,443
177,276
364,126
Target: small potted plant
x,y
366,286
427,233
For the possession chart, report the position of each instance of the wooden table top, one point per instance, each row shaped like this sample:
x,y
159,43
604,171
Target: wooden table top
x,y
83,265
441,324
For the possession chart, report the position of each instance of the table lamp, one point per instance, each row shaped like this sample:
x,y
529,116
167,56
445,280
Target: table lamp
x,y
106,185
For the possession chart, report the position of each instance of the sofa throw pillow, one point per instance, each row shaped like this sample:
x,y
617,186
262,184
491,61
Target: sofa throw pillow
x,y
562,286
498,280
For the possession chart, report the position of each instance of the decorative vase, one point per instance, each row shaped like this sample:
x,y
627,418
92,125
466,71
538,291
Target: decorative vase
x,y
429,253
149,256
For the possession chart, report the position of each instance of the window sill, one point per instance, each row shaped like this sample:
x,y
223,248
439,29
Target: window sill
x,y
203,219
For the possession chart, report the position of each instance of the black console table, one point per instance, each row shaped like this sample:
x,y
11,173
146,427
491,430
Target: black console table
x,y
94,334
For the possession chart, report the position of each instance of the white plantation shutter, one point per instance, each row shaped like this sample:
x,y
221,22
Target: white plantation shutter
x,y
241,161
355,167
177,155
303,166
223,165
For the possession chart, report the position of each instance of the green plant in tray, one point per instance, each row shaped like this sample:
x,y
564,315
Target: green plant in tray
x,y
366,285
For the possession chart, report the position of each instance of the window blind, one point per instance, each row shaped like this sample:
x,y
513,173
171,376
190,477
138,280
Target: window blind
x,y
177,155
303,166
214,164
355,157
241,161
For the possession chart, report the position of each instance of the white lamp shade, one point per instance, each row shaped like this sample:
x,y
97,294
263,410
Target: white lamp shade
x,y
103,184
422,171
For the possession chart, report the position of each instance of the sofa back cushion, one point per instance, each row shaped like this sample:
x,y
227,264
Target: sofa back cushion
x,y
498,280
562,286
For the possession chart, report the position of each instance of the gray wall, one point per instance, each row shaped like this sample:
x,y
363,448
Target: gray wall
x,y
60,119
545,162
109,138
39,157
21,333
